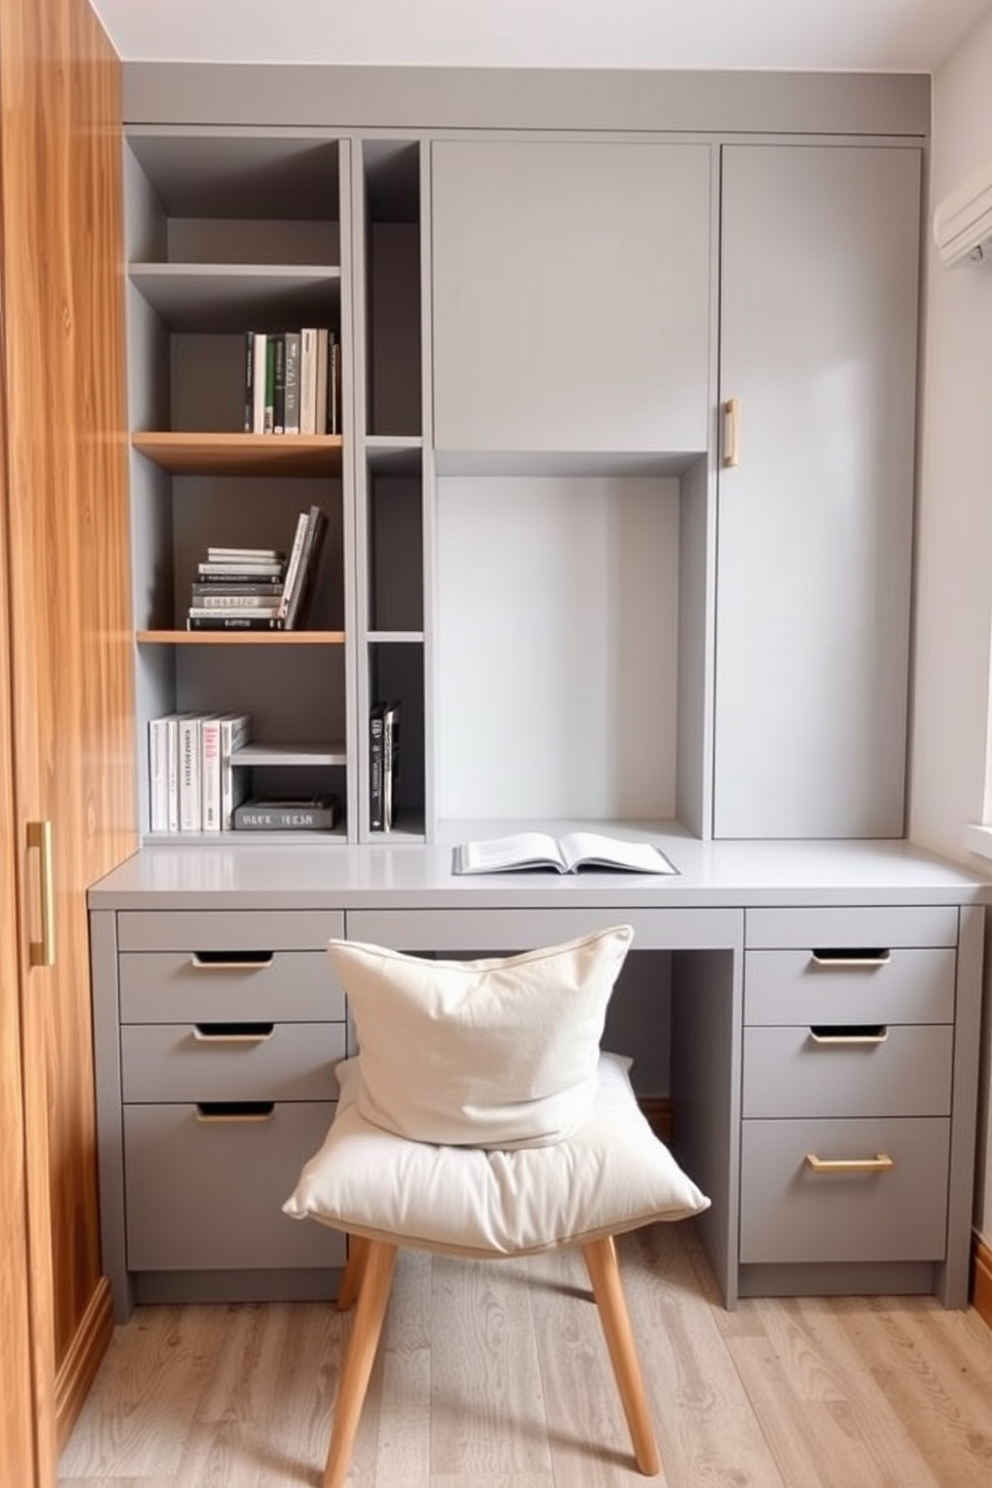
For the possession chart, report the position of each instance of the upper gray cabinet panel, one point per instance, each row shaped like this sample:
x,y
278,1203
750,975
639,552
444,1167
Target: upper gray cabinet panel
x,y
571,297
819,288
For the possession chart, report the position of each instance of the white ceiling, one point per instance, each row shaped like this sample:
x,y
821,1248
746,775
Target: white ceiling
x,y
817,35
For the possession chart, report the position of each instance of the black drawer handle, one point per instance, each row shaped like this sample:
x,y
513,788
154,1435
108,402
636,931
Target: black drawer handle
x,y
233,1033
215,1112
840,1035
232,960
850,956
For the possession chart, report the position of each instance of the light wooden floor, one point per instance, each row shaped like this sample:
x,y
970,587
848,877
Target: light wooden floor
x,y
495,1376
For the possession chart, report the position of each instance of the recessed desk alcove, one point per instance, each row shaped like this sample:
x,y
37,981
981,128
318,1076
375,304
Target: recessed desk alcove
x,y
813,1006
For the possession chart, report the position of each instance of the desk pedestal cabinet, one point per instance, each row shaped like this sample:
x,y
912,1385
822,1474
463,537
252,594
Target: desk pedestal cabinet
x,y
823,1056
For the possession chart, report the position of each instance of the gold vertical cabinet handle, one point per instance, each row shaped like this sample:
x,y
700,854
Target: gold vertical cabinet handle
x,y
42,952
881,1163
731,433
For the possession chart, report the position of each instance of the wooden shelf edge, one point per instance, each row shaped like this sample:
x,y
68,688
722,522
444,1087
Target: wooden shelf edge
x,y
183,453
240,637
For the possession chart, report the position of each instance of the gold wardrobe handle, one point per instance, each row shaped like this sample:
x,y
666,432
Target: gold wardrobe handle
x,y
881,1163
42,952
731,433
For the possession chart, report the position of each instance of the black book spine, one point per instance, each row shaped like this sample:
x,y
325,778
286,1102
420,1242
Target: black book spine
x,y
249,382
376,760
233,622
279,386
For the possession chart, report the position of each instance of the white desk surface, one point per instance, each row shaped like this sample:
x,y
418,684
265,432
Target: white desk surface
x,y
399,874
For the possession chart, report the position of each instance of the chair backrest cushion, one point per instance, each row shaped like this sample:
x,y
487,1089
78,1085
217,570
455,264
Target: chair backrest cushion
x,y
496,1053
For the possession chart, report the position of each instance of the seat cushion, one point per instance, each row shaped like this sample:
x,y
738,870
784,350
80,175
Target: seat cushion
x,y
492,1053
609,1175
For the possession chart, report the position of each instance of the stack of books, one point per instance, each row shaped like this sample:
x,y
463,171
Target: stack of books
x,y
293,382
238,589
384,761
258,588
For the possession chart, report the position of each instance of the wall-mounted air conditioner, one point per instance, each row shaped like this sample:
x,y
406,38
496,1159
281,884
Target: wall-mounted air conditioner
x,y
962,224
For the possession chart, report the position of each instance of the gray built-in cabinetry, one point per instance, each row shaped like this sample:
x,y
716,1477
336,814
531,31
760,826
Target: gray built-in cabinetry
x,y
230,230
536,541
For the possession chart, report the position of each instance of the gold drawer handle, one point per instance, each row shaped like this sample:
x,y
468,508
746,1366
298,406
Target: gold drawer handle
x,y
840,1037
731,433
231,960
850,958
233,1033
42,952
213,1113
881,1163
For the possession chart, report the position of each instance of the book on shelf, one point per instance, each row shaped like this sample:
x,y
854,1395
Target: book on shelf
x,y
293,562
222,786
249,382
230,578
247,555
240,568
225,620
292,403
333,385
308,380
566,854
158,771
235,597
383,765
293,814
268,426
320,391
279,384
251,606
298,597
259,339
223,588
190,744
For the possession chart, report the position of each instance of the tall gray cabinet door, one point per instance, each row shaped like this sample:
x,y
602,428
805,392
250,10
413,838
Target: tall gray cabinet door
x,y
819,269
571,295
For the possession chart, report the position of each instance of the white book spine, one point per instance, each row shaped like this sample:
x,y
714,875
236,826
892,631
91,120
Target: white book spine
x,y
210,732
293,566
172,773
258,384
189,774
235,732
158,774
308,380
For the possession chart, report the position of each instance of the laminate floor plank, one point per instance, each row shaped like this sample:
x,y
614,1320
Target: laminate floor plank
x,y
496,1375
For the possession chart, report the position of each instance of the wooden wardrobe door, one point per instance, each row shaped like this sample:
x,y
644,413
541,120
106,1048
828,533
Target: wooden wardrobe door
x,y
70,652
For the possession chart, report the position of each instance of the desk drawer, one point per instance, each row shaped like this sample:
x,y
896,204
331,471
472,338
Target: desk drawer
x,y
228,929
852,925
191,987
204,1062
791,1072
209,1195
789,1213
797,986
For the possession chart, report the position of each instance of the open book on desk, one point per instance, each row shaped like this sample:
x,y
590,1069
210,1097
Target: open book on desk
x,y
562,854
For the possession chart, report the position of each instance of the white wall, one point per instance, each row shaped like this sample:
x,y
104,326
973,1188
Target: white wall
x,y
954,590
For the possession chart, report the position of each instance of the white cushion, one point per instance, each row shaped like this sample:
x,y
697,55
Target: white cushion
x,y
611,1174
492,1053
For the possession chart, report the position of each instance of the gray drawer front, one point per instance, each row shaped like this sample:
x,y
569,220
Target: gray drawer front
x,y
169,986
227,929
204,1196
474,931
180,1062
789,1213
787,1073
915,986
928,925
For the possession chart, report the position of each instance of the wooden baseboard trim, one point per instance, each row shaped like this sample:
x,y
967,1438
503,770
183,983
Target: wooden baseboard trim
x,y
77,1372
981,1279
658,1110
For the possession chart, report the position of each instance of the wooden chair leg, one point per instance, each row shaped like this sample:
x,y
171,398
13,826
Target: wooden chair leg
x,y
359,1358
601,1262
351,1281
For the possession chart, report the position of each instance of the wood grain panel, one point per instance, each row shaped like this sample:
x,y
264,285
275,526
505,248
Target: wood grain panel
x,y
982,1286
17,1416
71,657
